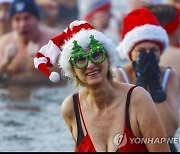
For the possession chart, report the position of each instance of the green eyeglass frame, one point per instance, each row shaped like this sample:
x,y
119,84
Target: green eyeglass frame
x,y
97,54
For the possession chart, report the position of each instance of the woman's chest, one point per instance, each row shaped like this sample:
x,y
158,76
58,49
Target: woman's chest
x,y
104,129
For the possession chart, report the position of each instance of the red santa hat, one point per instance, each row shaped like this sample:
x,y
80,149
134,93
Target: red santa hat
x,y
62,45
138,26
171,26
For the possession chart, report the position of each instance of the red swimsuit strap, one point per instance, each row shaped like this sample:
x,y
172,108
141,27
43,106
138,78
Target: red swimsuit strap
x,y
126,108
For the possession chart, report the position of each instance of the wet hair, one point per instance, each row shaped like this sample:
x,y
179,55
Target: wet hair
x,y
165,14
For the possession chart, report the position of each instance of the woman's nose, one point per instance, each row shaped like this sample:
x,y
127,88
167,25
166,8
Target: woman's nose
x,y
90,64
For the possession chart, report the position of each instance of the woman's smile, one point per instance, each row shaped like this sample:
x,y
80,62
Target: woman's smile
x,y
92,73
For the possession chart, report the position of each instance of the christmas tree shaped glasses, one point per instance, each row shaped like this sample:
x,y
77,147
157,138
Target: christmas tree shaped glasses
x,y
79,58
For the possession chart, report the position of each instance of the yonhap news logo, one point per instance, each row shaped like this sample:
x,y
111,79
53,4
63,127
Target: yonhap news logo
x,y
121,140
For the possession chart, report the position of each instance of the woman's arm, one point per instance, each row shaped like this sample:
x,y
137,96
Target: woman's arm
x,y
67,110
148,120
172,102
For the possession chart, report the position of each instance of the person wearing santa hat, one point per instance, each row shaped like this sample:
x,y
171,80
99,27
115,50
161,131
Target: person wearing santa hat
x,y
169,17
4,16
99,14
143,42
98,115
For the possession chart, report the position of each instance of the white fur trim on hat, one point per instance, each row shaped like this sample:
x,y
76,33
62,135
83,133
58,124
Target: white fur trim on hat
x,y
83,40
38,61
140,33
50,50
76,23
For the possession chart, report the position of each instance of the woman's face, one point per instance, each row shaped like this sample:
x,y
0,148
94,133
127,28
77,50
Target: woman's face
x,y
93,74
145,46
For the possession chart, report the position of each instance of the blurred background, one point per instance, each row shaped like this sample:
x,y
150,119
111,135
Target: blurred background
x,y
30,117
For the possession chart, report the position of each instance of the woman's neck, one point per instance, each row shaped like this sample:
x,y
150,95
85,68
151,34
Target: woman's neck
x,y
100,97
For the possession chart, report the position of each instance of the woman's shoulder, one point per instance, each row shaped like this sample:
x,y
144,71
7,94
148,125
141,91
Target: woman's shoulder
x,y
67,107
140,96
137,92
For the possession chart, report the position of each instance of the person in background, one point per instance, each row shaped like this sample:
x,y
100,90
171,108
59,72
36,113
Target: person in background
x,y
58,13
99,14
144,40
49,11
4,16
18,48
102,110
134,4
169,18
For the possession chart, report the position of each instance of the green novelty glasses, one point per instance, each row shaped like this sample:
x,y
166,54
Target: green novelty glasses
x,y
79,58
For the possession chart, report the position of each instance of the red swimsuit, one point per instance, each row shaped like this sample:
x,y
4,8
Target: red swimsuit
x,y
84,143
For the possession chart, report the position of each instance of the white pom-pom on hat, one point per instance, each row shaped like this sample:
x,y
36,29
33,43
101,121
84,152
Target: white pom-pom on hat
x,y
54,77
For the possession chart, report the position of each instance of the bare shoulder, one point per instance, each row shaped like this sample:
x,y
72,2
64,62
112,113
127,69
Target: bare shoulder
x,y
67,108
143,104
172,49
140,97
171,53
